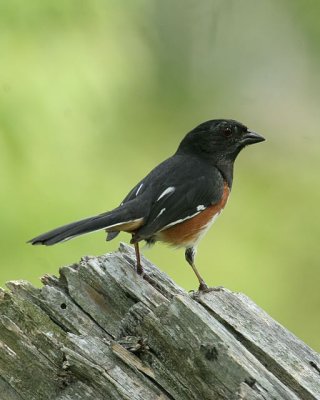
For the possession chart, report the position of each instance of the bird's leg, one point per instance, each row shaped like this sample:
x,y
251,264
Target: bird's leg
x,y
138,258
190,255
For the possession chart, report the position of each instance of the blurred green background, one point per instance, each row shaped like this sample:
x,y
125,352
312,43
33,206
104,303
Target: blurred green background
x,y
93,94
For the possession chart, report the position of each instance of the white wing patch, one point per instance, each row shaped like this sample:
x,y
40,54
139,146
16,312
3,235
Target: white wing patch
x,y
160,213
201,208
178,221
139,188
169,190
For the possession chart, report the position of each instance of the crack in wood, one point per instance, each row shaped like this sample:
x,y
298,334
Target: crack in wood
x,y
315,366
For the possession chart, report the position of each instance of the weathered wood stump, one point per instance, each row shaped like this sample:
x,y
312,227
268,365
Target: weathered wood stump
x,y
100,331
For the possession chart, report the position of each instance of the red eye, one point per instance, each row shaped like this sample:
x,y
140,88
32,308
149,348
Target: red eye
x,y
227,132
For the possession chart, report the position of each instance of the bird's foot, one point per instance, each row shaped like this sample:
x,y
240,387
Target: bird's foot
x,y
139,270
203,289
210,289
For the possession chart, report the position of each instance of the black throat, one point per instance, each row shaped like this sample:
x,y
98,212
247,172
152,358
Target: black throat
x,y
226,169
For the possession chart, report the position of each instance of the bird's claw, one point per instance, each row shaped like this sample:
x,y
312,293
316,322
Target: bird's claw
x,y
204,289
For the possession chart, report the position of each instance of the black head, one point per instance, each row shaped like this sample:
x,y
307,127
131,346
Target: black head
x,y
218,140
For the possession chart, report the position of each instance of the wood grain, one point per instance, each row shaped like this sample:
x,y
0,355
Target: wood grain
x,y
100,331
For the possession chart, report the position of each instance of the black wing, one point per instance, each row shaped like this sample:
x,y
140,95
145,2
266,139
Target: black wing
x,y
172,192
145,188
185,199
130,196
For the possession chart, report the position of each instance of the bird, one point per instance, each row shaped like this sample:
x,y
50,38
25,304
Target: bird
x,y
177,202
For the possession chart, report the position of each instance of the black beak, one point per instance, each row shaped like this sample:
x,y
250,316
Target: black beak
x,y
251,137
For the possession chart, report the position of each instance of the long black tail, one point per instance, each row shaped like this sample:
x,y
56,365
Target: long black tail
x,y
113,220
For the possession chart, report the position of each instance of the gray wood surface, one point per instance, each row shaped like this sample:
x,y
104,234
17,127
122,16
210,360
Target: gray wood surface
x,y
100,331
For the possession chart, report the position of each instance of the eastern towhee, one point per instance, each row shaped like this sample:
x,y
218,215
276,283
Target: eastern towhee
x,y
179,199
